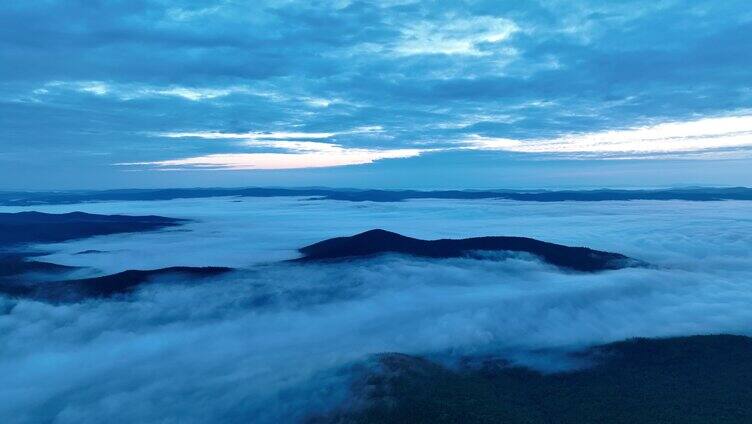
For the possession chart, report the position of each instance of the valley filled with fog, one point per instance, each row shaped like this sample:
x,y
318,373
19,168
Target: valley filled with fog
x,y
274,340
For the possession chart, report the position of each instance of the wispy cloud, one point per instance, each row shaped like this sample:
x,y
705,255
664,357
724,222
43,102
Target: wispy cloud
x,y
455,36
297,152
672,137
277,135
295,145
318,159
194,94
98,88
138,91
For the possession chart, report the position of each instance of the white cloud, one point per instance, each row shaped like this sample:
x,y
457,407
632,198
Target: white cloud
x,y
98,88
454,36
299,152
183,15
135,91
193,94
332,155
281,135
318,102
95,87
295,145
671,137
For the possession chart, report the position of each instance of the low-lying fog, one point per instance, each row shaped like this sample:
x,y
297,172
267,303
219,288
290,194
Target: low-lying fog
x,y
272,341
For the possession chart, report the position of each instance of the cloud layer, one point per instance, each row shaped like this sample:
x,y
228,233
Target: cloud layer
x,y
273,341
91,85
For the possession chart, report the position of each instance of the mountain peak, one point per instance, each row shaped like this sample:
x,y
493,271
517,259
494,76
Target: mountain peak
x,y
380,233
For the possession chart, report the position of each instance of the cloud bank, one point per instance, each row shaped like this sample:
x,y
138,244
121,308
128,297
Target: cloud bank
x,y
272,341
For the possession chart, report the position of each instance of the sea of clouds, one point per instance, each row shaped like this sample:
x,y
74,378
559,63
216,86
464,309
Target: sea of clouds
x,y
272,341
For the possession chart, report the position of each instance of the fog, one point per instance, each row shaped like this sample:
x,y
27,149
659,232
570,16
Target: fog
x,y
273,341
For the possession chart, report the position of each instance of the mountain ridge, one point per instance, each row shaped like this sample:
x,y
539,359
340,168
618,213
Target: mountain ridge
x,y
106,286
29,198
379,241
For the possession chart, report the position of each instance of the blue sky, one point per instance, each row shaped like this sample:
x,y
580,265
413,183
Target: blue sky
x,y
474,94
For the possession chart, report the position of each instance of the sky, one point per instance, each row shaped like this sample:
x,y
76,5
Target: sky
x,y
381,94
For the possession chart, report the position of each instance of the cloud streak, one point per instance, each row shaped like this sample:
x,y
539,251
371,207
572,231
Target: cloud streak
x,y
733,132
298,153
130,92
455,36
709,137
216,135
329,156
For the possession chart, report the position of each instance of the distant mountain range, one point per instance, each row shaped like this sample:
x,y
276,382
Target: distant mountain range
x,y
14,263
19,229
379,241
38,227
20,198
22,228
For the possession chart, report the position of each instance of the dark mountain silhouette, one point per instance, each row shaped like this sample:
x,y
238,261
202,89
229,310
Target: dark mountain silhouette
x,y
90,252
38,227
378,241
105,286
687,380
354,195
17,229
15,263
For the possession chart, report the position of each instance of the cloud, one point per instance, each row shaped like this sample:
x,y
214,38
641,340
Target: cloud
x,y
127,92
272,342
247,135
189,93
94,87
732,132
298,153
329,156
709,137
455,36
428,74
718,137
